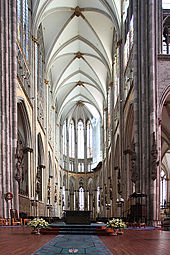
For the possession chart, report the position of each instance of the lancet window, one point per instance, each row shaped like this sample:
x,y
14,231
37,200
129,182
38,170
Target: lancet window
x,y
23,25
163,190
64,139
81,198
89,139
72,139
80,140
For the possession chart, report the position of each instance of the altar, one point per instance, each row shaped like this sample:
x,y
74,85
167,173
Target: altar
x,y
78,217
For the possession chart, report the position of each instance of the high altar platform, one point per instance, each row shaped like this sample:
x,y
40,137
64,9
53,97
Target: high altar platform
x,y
76,229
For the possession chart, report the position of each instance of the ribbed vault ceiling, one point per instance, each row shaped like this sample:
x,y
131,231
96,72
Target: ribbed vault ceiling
x,y
78,38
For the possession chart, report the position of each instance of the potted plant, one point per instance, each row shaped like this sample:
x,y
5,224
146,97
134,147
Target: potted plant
x,y
117,225
36,224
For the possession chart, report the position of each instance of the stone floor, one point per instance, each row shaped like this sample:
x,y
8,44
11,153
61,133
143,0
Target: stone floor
x,y
19,241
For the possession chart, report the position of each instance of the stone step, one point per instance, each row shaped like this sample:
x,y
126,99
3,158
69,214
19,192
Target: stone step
x,y
77,230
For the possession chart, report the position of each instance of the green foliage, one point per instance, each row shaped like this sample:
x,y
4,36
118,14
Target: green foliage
x,y
37,223
115,223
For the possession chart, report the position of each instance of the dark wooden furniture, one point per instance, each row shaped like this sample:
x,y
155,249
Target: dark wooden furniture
x,y
138,209
14,217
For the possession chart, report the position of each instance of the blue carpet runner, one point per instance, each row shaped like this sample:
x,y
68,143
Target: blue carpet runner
x,y
74,244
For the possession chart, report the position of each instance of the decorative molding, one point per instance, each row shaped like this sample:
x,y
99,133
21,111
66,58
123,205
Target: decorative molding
x,y
46,81
163,57
81,175
119,43
35,40
80,83
78,55
42,166
27,149
134,175
127,151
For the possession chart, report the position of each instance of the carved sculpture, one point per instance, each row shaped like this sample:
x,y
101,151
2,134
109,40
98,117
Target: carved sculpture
x,y
134,175
154,153
19,160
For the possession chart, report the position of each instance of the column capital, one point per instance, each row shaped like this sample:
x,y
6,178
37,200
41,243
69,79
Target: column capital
x,y
35,40
27,149
41,166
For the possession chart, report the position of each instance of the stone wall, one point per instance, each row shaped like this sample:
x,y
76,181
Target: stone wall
x,y
41,211
163,77
24,205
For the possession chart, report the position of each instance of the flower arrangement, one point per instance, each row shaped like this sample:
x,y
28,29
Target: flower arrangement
x,y
115,223
36,224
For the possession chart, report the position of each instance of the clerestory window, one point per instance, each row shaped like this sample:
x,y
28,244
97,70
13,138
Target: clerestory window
x,y
72,139
89,140
80,140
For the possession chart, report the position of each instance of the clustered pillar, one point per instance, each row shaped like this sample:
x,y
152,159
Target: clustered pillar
x,y
8,106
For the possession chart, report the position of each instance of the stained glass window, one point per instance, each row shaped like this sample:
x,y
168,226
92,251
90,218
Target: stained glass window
x,y
116,77
24,25
71,166
64,198
37,64
64,139
71,139
89,139
80,140
41,75
98,199
19,19
27,30
81,199
81,167
163,189
89,167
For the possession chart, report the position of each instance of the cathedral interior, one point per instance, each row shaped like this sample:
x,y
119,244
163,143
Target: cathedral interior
x,y
85,108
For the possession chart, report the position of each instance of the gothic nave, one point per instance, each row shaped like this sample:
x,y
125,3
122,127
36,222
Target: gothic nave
x,y
85,108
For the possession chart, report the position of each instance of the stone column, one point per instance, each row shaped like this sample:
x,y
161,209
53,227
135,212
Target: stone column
x,y
85,148
71,201
145,109
76,200
67,141
8,106
90,201
34,75
95,203
76,147
85,199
